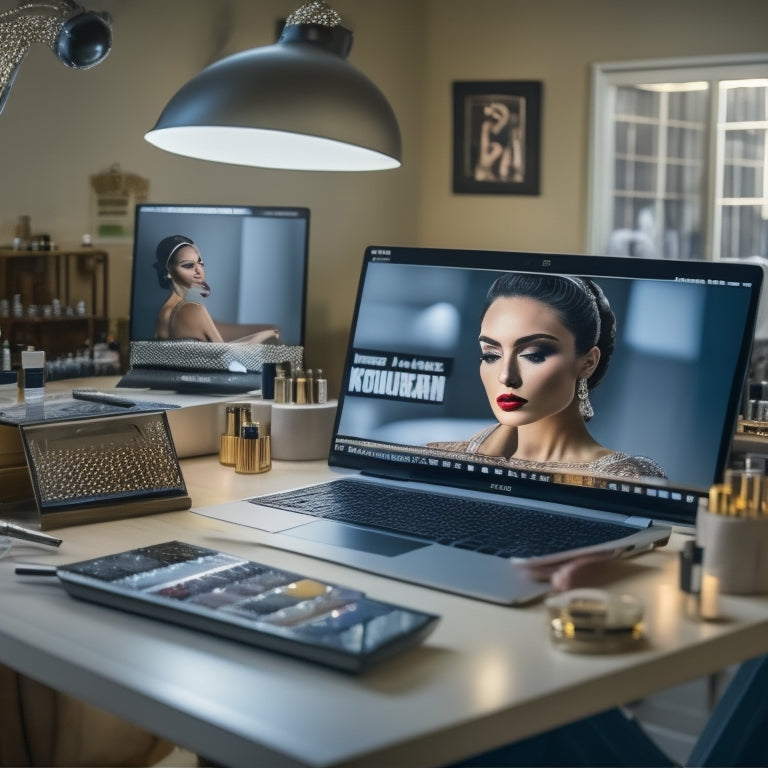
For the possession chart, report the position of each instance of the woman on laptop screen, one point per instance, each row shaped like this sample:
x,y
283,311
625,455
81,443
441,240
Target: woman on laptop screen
x,y
545,343
180,268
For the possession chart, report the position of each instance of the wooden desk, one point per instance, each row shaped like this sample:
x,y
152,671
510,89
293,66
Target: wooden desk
x,y
487,676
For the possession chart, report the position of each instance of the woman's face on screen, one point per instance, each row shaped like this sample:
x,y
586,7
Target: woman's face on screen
x,y
528,361
187,268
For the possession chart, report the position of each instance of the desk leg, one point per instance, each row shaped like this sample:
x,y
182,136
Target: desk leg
x,y
735,733
610,738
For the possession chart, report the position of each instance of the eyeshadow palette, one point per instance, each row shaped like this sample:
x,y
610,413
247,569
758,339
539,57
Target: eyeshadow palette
x,y
223,594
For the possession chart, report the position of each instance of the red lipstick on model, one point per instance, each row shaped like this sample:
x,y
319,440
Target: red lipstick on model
x,y
510,402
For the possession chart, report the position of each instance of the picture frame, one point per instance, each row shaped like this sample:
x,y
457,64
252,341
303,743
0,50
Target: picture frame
x,y
497,137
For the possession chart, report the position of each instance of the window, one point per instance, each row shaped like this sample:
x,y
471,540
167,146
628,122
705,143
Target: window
x,y
679,159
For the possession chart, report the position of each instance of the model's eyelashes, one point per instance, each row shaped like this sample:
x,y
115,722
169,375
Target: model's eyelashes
x,y
190,264
538,354
535,354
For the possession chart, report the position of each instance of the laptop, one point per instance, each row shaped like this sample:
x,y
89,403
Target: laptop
x,y
419,414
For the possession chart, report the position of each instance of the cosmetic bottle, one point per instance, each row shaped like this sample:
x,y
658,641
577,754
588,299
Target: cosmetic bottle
x,y
8,387
33,365
285,386
5,361
321,387
253,452
300,388
309,387
268,376
691,557
235,416
279,385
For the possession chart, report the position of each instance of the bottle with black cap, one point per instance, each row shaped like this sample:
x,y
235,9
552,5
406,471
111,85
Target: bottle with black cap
x,y
253,452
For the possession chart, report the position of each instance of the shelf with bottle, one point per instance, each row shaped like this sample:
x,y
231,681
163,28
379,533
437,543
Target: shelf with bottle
x,y
54,300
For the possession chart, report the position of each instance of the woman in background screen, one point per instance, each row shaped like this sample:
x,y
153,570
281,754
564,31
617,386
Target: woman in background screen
x,y
545,343
180,267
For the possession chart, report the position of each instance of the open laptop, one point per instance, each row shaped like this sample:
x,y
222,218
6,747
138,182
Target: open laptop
x,y
412,391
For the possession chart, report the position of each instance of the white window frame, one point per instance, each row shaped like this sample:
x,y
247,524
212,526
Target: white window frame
x,y
606,76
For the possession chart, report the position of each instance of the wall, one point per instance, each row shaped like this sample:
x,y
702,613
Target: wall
x,y
61,126
555,41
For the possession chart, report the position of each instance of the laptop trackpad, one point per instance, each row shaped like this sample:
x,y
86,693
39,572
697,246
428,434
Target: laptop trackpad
x,y
352,537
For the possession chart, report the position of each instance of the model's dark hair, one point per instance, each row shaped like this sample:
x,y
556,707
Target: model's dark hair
x,y
580,304
165,249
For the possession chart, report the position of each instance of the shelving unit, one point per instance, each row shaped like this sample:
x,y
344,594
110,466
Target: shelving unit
x,y
40,277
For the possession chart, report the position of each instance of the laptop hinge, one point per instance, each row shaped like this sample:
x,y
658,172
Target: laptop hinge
x,y
388,475
639,522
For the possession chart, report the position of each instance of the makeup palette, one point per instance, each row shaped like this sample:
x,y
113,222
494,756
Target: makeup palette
x,y
271,608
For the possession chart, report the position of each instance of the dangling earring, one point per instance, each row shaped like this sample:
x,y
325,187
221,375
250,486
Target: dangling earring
x,y
585,407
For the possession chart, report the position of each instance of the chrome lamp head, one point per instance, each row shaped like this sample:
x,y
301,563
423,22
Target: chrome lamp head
x,y
296,104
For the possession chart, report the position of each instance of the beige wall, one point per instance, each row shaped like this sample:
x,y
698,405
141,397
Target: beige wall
x,y
61,126
555,41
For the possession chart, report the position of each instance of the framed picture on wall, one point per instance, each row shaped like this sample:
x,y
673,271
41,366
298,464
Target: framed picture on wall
x,y
497,137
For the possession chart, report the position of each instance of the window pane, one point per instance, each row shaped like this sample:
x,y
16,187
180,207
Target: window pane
x,y
744,103
742,201
744,232
742,181
744,144
689,105
659,164
685,179
635,176
682,239
685,143
633,100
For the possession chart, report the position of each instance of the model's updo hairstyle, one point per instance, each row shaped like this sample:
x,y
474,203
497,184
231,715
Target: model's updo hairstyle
x,y
580,304
165,249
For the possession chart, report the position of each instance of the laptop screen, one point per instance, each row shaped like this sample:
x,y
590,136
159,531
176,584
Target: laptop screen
x,y
604,382
255,261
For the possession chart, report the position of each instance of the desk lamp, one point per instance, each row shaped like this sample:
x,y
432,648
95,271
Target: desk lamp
x,y
79,38
296,104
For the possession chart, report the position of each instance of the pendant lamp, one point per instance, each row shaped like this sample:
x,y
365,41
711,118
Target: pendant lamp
x,y
297,104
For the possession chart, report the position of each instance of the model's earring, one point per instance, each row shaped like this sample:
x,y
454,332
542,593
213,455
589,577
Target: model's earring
x,y
585,407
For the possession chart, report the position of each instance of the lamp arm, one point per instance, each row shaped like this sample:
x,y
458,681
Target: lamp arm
x,y
79,38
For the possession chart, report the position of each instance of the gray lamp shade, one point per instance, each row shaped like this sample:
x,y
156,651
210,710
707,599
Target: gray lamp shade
x,y
297,104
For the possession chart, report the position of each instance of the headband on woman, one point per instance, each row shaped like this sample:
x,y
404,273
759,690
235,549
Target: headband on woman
x,y
177,247
168,246
593,301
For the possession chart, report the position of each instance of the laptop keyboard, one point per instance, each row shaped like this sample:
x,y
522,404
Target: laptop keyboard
x,y
483,526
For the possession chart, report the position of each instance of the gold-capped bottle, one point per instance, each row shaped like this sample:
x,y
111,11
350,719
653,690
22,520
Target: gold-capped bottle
x,y
235,416
253,452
